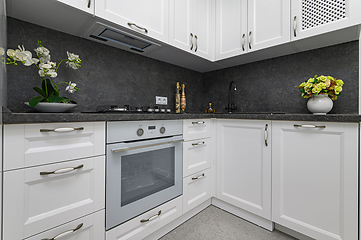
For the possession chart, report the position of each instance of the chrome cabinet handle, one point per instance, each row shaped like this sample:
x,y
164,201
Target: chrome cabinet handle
x,y
62,170
138,147
266,135
195,36
243,40
65,233
250,39
89,1
294,26
141,28
61,130
152,217
191,41
308,126
196,123
198,144
199,177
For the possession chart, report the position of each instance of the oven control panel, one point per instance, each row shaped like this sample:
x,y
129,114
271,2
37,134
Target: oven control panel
x,y
119,131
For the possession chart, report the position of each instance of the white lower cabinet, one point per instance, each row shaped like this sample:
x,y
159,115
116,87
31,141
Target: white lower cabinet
x,y
39,198
138,227
315,178
196,189
244,165
90,227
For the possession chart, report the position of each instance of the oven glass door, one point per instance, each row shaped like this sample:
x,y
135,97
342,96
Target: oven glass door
x,y
141,176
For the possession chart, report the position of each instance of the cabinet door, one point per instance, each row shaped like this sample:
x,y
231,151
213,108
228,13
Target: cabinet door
x,y
180,19
231,28
35,202
196,189
196,129
147,17
268,23
309,18
244,165
315,178
84,5
204,28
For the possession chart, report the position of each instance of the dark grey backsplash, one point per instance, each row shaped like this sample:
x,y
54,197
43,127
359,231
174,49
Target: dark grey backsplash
x,y
113,76
269,85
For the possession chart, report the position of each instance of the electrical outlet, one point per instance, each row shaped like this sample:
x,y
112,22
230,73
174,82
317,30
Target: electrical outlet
x,y
161,100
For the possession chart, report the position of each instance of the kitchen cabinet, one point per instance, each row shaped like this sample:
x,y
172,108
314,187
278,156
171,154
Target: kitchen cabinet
x,y
83,5
148,222
58,171
146,17
244,165
191,26
315,178
196,162
310,18
244,26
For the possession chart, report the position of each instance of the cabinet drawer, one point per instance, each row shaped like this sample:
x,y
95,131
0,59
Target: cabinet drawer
x,y
92,228
135,230
196,128
196,156
196,189
27,145
35,202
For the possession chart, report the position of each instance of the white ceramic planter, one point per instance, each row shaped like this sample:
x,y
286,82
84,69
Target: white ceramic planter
x,y
53,107
320,104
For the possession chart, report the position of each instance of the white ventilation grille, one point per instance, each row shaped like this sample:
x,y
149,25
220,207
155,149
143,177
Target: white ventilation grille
x,y
319,12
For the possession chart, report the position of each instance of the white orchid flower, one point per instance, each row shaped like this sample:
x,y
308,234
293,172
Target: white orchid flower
x,y
2,51
24,56
41,73
73,60
43,53
51,73
71,87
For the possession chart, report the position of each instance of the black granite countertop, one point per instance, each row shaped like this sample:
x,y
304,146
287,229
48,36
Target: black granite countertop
x,y
17,118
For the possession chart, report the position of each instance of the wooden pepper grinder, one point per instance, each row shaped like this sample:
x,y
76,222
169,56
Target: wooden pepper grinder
x,y
183,99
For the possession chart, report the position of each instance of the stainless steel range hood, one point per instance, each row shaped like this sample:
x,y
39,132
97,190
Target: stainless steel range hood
x,y
119,38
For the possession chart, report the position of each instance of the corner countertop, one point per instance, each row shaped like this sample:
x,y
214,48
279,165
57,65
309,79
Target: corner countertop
x,y
19,118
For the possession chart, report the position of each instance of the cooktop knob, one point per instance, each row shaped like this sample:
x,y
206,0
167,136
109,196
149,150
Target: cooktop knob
x,y
162,130
140,132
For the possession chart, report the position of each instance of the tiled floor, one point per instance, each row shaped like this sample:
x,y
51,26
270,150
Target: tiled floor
x,y
216,224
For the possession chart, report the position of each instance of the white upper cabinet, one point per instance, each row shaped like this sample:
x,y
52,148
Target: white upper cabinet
x,y
147,17
191,26
84,5
244,26
310,18
231,28
267,23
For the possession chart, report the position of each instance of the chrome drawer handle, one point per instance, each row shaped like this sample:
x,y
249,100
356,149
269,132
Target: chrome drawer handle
x,y
198,144
308,126
151,218
243,41
195,36
196,123
191,42
295,26
149,145
89,3
65,233
61,130
141,28
250,39
62,170
199,177
266,135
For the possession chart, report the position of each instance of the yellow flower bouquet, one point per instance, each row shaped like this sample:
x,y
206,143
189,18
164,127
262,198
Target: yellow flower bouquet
x,y
321,85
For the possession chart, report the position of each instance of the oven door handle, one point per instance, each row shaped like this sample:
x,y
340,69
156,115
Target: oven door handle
x,y
145,146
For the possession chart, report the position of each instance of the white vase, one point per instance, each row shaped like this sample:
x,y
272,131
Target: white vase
x,y
53,107
320,104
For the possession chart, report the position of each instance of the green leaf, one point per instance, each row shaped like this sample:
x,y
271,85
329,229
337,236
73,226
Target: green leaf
x,y
35,100
55,99
40,91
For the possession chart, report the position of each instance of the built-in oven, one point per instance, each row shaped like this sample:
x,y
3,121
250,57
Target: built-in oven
x,y
143,167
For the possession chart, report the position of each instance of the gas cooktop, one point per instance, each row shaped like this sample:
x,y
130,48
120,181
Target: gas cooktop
x,y
130,109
